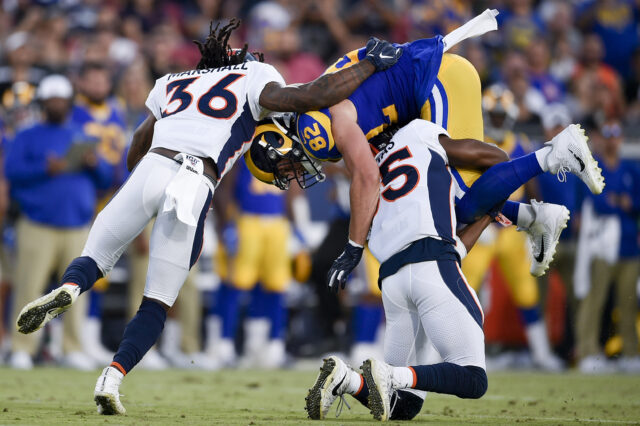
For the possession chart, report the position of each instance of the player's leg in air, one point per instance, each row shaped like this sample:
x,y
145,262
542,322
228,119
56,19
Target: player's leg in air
x,y
455,103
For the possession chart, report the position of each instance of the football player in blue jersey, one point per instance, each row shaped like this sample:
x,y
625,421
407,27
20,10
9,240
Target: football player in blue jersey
x,y
443,88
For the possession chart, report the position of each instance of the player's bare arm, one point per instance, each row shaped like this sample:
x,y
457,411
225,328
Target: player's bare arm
x,y
322,92
329,89
365,176
141,142
470,233
472,153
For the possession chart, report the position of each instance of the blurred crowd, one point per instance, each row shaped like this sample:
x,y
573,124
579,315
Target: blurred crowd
x,y
65,137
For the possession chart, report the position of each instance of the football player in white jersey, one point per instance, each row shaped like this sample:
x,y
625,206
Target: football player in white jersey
x,y
201,121
425,295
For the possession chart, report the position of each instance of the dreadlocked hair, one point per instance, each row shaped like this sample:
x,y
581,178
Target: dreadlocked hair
x,y
215,50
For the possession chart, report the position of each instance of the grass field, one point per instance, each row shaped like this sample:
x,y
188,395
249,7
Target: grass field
x,y
55,396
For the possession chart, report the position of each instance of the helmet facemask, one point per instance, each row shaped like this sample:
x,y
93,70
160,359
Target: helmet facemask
x,y
295,164
277,157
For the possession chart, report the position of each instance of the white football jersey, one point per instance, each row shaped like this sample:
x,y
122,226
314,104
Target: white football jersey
x,y
210,112
416,194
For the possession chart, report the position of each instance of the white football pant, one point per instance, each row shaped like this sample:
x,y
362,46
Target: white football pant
x,y
426,304
174,246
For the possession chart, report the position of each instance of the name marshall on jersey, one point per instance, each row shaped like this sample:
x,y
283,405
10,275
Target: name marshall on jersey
x,y
242,66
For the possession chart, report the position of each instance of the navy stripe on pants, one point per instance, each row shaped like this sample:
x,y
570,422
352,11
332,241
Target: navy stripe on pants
x,y
456,283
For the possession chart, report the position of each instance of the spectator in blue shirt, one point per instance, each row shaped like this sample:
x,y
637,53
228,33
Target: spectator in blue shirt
x,y
53,177
620,201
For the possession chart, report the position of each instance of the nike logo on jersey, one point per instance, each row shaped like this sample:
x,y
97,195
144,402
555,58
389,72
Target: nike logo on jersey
x,y
540,256
579,160
333,392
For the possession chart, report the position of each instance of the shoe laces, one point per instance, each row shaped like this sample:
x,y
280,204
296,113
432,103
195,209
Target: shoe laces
x,y
341,403
562,173
395,401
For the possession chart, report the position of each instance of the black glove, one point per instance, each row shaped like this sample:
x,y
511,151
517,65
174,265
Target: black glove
x,y
342,266
382,54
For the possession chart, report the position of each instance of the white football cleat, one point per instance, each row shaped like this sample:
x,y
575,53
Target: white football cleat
x,y
378,376
42,310
107,393
331,383
570,152
544,233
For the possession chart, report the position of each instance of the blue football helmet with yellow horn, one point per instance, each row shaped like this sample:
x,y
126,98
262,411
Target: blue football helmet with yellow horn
x,y
277,157
314,131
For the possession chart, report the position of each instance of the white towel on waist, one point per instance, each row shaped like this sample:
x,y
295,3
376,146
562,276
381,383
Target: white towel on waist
x,y
180,194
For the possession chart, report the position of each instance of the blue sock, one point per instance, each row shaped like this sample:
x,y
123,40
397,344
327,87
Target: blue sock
x,y
363,395
530,315
257,308
228,305
510,211
276,313
141,333
95,304
496,185
82,271
463,381
366,319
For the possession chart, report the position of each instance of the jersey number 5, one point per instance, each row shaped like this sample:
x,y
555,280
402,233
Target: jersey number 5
x,y
218,90
410,173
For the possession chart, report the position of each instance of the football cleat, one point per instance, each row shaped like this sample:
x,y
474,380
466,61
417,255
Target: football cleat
x,y
42,310
378,376
544,233
107,393
570,153
330,384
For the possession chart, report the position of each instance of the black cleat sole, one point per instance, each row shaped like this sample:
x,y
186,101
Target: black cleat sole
x,y
107,405
312,400
31,320
376,406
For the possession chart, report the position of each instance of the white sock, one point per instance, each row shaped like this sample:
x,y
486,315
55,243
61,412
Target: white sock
x,y
526,216
356,382
541,156
538,339
403,377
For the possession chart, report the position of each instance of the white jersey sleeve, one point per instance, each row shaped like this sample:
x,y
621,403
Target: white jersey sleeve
x,y
416,194
257,82
155,99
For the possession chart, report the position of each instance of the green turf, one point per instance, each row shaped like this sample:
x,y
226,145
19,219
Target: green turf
x,y
59,396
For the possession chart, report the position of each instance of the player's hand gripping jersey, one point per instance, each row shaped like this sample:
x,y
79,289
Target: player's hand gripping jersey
x,y
416,194
230,95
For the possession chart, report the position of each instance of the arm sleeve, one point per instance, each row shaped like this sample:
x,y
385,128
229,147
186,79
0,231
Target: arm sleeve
x,y
260,75
155,98
19,166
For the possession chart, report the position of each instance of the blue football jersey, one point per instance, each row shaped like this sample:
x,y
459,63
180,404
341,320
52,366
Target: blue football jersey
x,y
393,96
104,125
